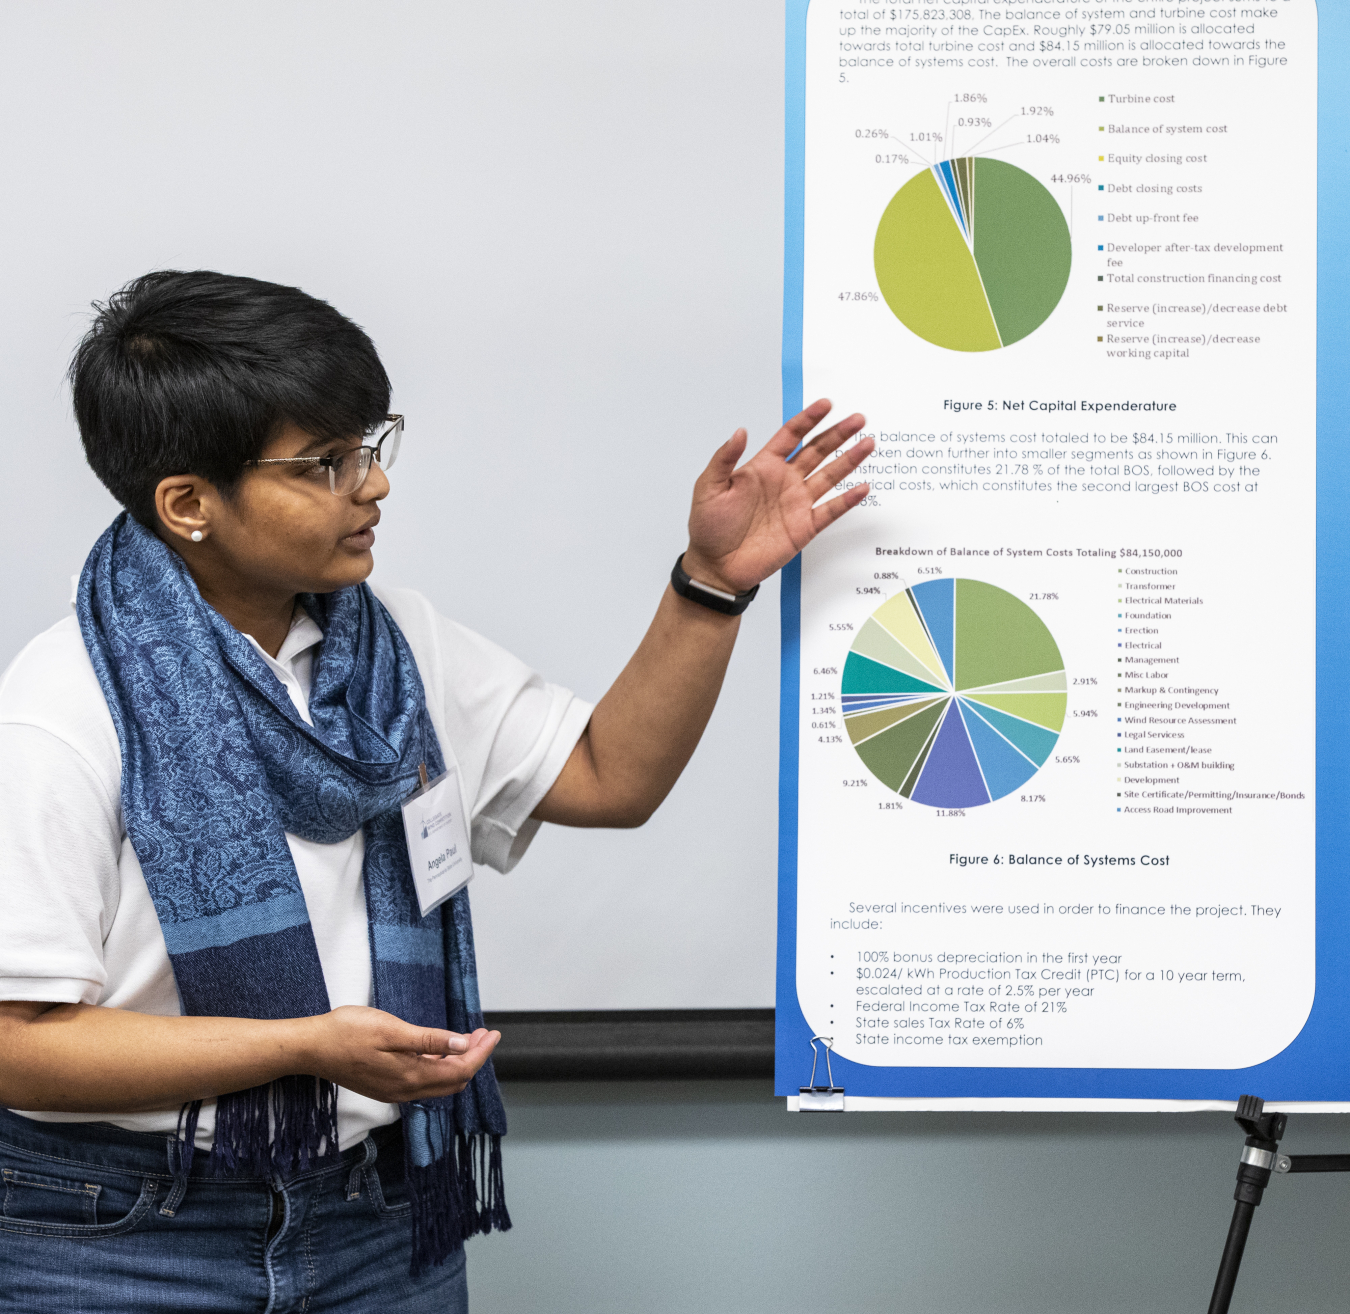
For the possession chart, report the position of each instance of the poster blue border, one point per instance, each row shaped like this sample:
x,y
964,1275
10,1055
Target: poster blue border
x,y
1316,1065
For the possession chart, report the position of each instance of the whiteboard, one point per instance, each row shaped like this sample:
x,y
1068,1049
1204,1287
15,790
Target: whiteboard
x,y
561,224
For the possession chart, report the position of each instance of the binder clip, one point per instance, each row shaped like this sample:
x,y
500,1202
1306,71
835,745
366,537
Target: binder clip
x,y
821,1099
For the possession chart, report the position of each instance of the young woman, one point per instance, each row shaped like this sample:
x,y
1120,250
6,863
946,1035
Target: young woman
x,y
241,1049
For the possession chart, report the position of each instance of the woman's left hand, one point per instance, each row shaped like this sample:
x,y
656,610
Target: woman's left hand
x,y
747,523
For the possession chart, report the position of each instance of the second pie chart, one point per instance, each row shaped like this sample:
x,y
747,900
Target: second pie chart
x,y
954,693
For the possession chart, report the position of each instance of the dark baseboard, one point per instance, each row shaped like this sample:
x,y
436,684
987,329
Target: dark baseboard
x,y
634,1045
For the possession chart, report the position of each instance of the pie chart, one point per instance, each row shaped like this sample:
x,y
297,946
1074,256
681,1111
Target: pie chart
x,y
954,693
972,254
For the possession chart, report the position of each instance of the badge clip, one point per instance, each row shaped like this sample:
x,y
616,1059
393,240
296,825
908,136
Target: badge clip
x,y
821,1099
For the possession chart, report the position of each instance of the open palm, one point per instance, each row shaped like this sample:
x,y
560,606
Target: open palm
x,y
747,523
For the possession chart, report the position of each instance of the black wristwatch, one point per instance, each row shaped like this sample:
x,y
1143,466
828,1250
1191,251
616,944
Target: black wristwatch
x,y
729,604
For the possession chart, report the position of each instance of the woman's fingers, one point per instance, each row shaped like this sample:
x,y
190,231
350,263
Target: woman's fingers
x,y
475,1048
794,432
438,1043
828,512
823,444
723,464
841,467
450,1073
444,1045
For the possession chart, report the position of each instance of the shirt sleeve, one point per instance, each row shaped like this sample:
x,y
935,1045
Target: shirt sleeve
x,y
60,841
510,731
538,729
518,732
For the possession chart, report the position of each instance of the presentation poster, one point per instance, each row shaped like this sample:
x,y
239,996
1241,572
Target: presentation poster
x,y
1053,824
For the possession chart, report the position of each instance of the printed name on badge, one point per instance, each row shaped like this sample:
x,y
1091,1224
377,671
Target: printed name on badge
x,y
438,841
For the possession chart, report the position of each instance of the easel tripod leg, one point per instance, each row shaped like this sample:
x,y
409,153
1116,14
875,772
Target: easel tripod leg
x,y
1232,1257
1253,1176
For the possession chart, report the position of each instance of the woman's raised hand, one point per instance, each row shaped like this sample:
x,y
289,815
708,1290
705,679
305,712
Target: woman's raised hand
x,y
747,523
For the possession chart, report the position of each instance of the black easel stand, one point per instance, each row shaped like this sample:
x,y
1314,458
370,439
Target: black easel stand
x,y
1260,1158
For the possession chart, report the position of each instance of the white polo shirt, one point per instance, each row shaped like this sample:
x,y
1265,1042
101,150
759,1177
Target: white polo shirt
x,y
78,923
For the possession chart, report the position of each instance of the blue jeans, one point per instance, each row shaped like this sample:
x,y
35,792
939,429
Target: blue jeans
x,y
92,1223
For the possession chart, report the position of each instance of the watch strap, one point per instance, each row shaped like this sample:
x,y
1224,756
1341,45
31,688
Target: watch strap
x,y
729,604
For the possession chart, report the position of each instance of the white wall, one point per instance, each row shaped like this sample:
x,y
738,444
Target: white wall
x,y
562,226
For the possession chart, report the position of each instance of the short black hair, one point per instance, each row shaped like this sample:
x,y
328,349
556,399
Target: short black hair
x,y
193,373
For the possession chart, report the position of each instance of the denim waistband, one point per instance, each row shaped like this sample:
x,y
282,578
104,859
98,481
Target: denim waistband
x,y
154,1154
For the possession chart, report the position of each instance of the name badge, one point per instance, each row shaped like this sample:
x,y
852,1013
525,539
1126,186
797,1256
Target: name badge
x,y
438,841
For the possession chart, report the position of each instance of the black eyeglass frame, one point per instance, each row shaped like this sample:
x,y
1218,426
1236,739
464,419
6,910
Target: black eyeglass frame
x,y
394,430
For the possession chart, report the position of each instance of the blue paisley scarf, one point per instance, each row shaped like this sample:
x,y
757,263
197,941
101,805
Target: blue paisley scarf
x,y
217,766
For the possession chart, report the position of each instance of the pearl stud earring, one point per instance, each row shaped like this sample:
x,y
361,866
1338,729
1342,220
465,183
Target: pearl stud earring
x,y
197,535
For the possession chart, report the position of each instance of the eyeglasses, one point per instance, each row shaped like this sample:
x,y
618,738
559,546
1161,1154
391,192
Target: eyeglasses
x,y
347,470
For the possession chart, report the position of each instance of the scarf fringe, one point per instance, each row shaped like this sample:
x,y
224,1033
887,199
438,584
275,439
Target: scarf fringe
x,y
458,1195
187,1136
289,1123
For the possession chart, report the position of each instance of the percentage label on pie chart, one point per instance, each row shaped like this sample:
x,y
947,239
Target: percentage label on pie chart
x,y
954,693
972,254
